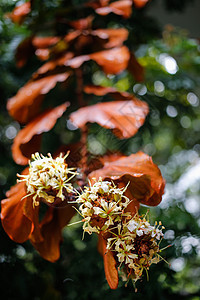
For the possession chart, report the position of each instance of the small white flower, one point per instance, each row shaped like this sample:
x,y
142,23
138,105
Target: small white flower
x,y
132,225
139,232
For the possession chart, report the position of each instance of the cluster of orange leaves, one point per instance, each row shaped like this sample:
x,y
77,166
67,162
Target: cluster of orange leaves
x,y
105,47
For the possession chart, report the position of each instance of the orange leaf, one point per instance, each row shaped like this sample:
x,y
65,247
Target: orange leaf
x,y
15,223
121,7
115,37
43,42
27,140
20,12
123,117
140,3
51,230
52,64
103,90
83,23
109,264
146,183
26,103
97,3
112,61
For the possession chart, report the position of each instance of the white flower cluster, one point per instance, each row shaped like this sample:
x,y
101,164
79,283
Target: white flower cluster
x,y
135,245
48,178
102,205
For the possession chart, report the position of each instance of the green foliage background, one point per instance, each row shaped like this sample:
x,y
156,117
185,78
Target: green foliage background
x,y
171,134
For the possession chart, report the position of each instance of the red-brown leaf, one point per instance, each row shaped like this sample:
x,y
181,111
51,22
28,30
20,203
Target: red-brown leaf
x,y
51,230
123,117
43,42
52,64
27,140
20,12
135,68
121,7
115,37
109,264
25,105
82,24
97,3
102,91
15,223
140,3
112,61
24,51
146,183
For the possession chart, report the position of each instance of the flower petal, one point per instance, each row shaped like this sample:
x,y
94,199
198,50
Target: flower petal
x,y
27,140
146,183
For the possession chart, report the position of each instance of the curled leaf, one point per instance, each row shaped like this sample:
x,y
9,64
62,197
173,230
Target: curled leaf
x,y
24,51
144,179
28,139
105,90
51,231
135,68
43,42
115,37
140,3
15,223
109,264
121,7
112,61
25,105
123,117
83,23
20,12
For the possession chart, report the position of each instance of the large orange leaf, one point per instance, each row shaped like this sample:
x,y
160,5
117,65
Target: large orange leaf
x,y
109,264
112,61
51,230
26,103
27,140
146,183
15,223
123,117
121,7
